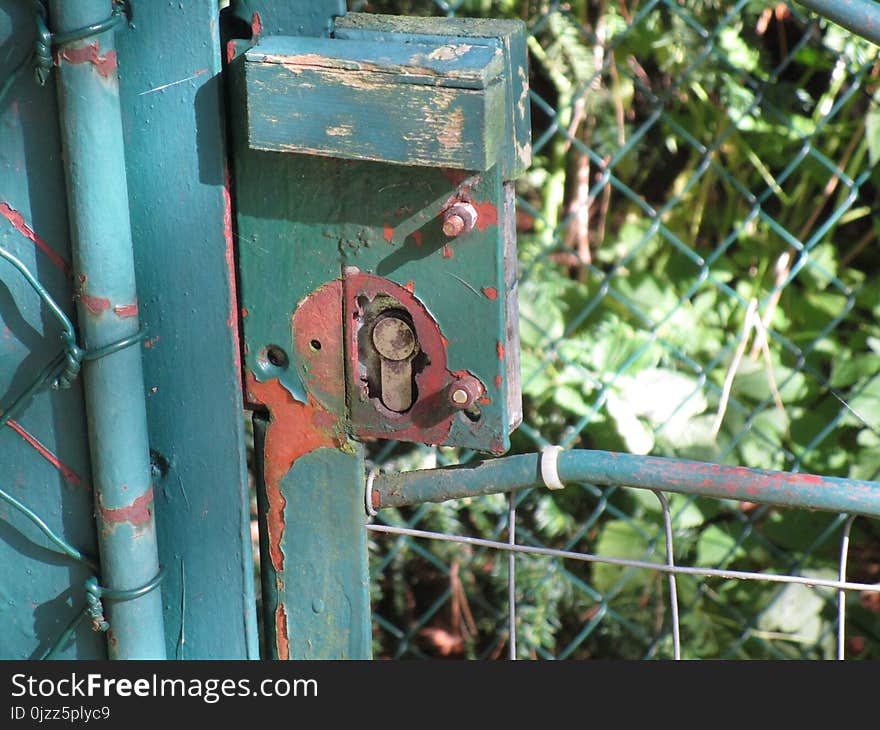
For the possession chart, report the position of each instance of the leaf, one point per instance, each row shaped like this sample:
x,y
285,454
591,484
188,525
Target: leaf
x,y
847,370
872,129
796,610
863,405
637,437
620,539
717,547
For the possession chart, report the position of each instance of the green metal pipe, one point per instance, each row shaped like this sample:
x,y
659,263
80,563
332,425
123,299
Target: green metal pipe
x,y
862,17
97,196
607,468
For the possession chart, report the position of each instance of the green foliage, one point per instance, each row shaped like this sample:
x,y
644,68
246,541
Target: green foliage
x,y
730,154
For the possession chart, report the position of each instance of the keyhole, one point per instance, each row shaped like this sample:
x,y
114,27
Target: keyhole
x,y
395,342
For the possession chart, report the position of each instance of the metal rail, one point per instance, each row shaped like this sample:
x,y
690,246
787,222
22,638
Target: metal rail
x,y
783,489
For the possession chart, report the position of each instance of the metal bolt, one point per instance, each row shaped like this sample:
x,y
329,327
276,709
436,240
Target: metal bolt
x,y
464,392
459,218
460,396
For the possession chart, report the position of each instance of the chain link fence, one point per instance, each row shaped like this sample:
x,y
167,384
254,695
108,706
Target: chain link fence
x,y
698,262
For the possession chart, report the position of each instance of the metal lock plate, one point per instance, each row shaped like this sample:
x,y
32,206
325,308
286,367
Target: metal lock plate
x,y
380,258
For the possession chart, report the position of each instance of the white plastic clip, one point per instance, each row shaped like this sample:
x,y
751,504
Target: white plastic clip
x,y
549,467
368,496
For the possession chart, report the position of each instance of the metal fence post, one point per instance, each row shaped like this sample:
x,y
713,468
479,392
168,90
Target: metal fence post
x,y
97,194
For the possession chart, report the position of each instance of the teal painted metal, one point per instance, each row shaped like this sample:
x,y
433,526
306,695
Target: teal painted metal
x,y
44,449
335,98
860,16
606,468
318,606
507,37
172,101
107,303
293,17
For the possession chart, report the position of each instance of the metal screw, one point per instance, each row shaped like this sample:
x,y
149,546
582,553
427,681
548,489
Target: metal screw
x,y
459,218
460,396
464,392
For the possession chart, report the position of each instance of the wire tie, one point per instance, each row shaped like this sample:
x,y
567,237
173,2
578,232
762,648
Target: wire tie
x,y
95,592
45,40
368,496
550,467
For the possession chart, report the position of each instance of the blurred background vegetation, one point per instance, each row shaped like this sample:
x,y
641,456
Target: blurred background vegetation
x,y
698,258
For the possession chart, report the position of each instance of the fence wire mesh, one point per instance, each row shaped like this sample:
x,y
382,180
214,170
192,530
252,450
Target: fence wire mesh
x,y
698,278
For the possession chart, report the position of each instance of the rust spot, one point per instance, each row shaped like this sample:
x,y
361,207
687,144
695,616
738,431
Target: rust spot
x,y
497,447
417,237
19,224
138,513
455,176
124,311
388,233
282,641
491,292
410,286
485,400
318,333
69,474
500,348
487,215
444,341
230,51
375,499
498,381
256,25
152,342
447,252
244,312
105,65
95,305
294,429
229,255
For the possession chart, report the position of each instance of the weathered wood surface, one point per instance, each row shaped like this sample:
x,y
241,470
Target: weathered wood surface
x,y
338,99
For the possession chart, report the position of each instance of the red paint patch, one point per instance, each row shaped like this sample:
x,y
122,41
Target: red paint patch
x,y
447,252
95,305
19,224
124,311
256,25
485,400
388,233
138,513
69,474
410,286
417,237
291,433
498,381
105,65
500,348
282,641
244,312
444,341
229,255
491,292
152,342
487,215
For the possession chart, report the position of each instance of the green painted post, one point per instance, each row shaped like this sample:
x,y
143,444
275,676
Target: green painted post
x,y
97,194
